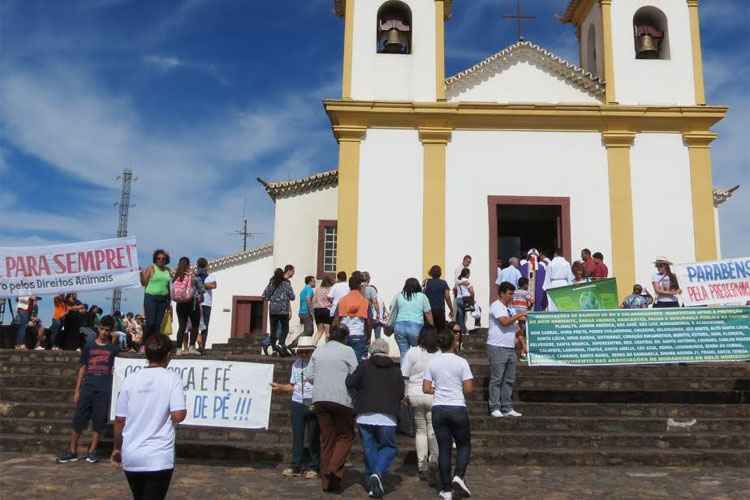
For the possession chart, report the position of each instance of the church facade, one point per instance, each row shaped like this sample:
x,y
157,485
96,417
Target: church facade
x,y
521,150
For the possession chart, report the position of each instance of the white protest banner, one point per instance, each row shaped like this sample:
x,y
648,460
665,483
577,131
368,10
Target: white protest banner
x,y
722,282
72,267
218,393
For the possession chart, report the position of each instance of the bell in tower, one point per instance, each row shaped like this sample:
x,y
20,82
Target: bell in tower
x,y
650,30
394,29
648,39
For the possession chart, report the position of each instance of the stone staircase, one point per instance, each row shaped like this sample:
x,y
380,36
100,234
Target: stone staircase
x,y
639,415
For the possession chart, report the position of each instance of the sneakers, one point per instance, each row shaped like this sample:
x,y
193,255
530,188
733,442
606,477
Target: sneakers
x,y
375,486
512,413
460,486
496,414
311,474
446,495
66,457
92,458
291,472
193,350
39,348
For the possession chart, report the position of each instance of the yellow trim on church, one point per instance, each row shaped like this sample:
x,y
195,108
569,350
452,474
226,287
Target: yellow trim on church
x,y
346,84
609,53
695,36
440,50
701,184
435,142
618,144
349,139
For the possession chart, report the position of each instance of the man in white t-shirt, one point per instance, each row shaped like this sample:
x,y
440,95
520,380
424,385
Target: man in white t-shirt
x,y
150,404
501,351
338,290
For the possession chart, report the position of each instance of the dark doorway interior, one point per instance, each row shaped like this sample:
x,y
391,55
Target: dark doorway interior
x,y
522,227
248,316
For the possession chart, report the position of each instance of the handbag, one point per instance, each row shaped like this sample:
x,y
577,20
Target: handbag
x,y
166,322
388,330
406,424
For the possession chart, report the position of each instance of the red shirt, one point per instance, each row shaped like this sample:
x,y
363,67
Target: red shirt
x,y
589,267
600,270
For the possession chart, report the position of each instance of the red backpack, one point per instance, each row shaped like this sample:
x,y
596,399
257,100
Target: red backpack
x,y
182,289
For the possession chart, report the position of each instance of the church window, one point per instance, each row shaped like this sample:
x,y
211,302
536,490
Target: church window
x,y
591,55
651,34
327,248
394,28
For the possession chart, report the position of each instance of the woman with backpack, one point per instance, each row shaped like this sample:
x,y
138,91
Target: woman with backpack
x,y
187,292
279,294
156,279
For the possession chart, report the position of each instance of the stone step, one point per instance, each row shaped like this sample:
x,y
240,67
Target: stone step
x,y
244,453
281,436
280,418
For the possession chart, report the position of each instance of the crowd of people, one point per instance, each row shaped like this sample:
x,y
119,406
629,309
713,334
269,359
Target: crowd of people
x,y
74,324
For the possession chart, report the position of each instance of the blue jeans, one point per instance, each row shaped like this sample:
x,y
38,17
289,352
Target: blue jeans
x,y
305,422
407,333
22,320
379,446
451,423
359,344
461,314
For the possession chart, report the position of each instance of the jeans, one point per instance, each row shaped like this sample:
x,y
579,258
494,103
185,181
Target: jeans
x,y
451,423
461,314
151,485
279,328
379,447
407,333
305,423
154,309
377,330
427,447
359,344
185,311
22,321
308,325
502,376
54,332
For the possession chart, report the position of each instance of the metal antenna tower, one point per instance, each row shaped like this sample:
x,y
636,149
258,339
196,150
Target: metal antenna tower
x,y
122,222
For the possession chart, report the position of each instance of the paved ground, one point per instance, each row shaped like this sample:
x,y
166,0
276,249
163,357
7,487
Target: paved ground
x,y
38,477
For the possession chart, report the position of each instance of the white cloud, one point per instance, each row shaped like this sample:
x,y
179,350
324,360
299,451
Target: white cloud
x,y
163,63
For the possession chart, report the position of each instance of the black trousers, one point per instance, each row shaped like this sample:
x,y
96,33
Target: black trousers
x,y
451,423
187,310
151,485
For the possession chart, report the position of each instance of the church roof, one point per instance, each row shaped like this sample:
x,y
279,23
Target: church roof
x,y
315,182
238,258
572,73
339,7
575,10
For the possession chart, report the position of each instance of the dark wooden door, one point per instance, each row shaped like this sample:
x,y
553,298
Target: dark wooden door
x,y
248,316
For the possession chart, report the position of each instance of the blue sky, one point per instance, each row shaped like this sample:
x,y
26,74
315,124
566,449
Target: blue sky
x,y
200,97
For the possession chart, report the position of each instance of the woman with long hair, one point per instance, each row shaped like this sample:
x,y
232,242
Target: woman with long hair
x,y
187,292
439,294
156,279
409,309
665,284
413,366
279,294
322,309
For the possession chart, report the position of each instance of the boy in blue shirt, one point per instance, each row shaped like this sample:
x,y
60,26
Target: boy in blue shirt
x,y
305,306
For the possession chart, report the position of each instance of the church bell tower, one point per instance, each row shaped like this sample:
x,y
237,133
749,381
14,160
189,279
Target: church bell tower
x,y
394,50
647,51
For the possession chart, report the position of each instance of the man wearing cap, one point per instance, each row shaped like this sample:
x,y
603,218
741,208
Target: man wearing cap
x,y
303,419
378,389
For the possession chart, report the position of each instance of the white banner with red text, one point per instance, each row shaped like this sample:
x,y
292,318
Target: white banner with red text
x,y
68,268
722,282
218,393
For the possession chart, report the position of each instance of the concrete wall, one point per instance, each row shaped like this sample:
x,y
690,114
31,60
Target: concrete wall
x,y
295,237
640,81
394,77
245,279
521,81
662,201
509,163
389,242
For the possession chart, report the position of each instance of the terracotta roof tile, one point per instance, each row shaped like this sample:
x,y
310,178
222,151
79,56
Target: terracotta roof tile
x,y
315,182
240,258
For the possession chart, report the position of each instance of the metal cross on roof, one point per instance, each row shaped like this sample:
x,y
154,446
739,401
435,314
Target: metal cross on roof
x,y
519,18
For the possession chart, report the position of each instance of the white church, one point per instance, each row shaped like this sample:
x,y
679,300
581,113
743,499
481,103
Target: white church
x,y
521,150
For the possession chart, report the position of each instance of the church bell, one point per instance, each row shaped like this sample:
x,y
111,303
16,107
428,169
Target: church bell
x,y
648,47
393,42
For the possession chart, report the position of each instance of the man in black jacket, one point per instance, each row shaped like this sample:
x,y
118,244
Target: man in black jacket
x,y
378,390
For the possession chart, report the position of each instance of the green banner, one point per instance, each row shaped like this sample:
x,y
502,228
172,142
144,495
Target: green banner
x,y
597,294
639,336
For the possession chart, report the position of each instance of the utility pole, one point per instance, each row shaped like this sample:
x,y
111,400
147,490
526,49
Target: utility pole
x,y
122,223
